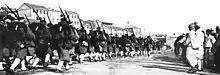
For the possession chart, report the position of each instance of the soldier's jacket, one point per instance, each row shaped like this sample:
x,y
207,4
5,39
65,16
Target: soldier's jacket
x,y
15,32
148,42
83,35
42,33
1,36
63,35
108,38
123,41
99,36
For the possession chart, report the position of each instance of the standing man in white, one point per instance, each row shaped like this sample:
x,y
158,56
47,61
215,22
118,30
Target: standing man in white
x,y
195,47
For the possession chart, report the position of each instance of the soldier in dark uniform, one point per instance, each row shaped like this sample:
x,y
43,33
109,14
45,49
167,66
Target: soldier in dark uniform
x,y
63,37
14,41
217,47
133,47
91,45
158,45
100,44
82,45
2,28
109,45
115,45
125,45
42,39
140,45
148,44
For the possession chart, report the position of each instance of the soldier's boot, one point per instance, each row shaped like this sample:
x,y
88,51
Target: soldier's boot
x,y
145,52
47,58
34,65
148,53
1,66
96,56
100,56
121,53
59,66
90,56
103,56
23,66
27,59
13,66
8,63
81,58
87,55
93,55
110,55
133,53
66,65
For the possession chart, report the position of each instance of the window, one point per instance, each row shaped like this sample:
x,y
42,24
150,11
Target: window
x,y
78,23
75,16
52,20
72,16
44,18
45,12
75,22
38,18
40,11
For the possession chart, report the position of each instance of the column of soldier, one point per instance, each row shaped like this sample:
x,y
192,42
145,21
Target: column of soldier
x,y
27,45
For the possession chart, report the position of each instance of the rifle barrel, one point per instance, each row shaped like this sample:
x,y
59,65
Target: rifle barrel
x,y
27,19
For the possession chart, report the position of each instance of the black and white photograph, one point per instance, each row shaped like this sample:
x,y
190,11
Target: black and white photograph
x,y
109,37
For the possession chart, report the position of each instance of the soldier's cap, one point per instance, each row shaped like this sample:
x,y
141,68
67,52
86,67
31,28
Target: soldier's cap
x,y
10,18
62,19
98,28
20,18
43,21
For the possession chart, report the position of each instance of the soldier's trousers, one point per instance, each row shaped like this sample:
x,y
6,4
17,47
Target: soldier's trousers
x,y
42,50
80,49
1,54
15,50
63,54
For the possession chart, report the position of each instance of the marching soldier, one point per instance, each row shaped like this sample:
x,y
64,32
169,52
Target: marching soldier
x,y
14,41
1,42
42,39
82,45
91,45
63,37
100,44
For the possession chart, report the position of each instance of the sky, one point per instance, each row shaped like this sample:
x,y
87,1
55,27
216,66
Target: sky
x,y
155,16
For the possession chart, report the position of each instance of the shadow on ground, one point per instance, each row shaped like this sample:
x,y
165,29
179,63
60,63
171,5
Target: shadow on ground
x,y
172,63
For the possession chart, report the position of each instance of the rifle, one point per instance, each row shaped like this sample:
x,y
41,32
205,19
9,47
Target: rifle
x,y
103,28
49,17
38,17
68,17
27,19
63,13
12,11
111,29
97,23
80,22
17,12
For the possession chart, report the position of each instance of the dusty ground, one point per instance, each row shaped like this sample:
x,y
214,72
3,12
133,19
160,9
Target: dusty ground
x,y
157,64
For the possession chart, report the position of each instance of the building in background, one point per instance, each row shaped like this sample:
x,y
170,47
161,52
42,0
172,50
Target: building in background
x,y
55,15
28,9
3,12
